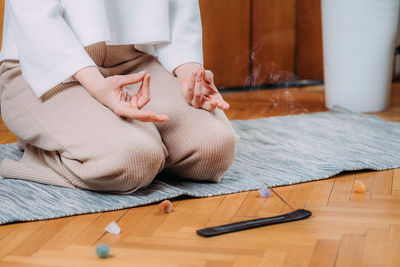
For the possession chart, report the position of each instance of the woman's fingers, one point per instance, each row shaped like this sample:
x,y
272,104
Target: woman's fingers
x,y
209,105
148,116
197,95
124,94
188,89
209,76
130,112
118,99
122,80
200,92
144,92
222,104
213,91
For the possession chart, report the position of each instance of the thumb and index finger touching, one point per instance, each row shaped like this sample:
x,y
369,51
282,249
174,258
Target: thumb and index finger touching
x,y
218,102
140,100
128,79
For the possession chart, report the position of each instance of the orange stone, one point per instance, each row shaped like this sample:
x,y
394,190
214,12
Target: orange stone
x,y
165,206
359,187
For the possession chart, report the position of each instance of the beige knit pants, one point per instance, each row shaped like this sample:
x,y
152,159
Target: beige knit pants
x,y
73,140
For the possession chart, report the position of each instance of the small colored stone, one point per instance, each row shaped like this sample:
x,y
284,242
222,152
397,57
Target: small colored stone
x,y
102,251
359,187
264,191
165,206
113,228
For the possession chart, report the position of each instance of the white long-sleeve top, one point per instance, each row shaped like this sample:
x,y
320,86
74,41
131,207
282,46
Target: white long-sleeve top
x,y
48,36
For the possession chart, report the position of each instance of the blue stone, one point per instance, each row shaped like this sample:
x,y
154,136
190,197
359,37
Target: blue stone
x,y
102,250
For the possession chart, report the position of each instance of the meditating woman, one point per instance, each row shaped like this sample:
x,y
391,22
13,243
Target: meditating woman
x,y
75,89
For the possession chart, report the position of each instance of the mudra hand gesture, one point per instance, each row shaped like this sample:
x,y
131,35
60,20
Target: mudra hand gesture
x,y
112,93
198,89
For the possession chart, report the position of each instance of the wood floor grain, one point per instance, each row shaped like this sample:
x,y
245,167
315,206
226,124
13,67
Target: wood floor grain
x,y
346,229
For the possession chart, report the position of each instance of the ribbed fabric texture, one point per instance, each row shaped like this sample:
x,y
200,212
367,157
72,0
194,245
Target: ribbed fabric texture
x,y
73,140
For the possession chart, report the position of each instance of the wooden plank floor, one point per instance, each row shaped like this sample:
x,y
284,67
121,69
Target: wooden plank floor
x,y
346,229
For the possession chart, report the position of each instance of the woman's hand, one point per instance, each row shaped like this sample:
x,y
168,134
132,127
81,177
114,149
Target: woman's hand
x,y
198,89
110,92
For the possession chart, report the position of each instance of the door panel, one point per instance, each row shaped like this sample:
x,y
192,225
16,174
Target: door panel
x,y
309,63
226,40
273,41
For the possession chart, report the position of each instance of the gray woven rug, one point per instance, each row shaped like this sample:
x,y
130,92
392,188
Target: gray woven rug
x,y
280,150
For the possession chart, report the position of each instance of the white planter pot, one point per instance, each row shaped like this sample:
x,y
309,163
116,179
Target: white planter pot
x,y
358,43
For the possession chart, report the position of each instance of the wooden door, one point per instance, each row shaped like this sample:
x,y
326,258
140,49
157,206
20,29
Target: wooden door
x,y
273,41
226,40
256,42
309,63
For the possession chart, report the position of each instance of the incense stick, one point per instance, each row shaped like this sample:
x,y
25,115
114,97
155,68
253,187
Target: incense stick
x,y
287,204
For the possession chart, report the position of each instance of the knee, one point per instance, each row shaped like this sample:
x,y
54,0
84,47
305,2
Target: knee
x,y
132,167
140,164
216,154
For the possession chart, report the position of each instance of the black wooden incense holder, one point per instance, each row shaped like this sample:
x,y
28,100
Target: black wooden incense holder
x,y
299,214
